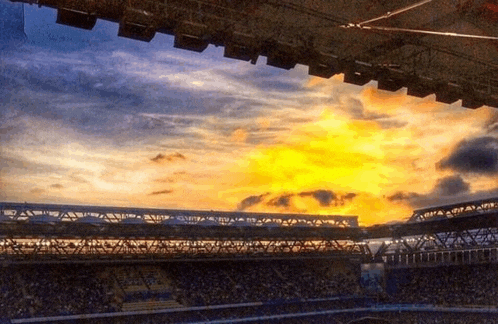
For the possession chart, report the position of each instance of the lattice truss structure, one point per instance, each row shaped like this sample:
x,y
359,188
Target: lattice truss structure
x,y
477,207
444,47
453,234
30,232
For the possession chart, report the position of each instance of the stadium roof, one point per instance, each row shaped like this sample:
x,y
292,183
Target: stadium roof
x,y
442,47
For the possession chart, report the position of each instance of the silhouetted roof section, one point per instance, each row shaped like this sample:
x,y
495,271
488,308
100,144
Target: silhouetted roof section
x,y
207,222
5,219
241,223
44,218
91,220
132,221
270,224
173,221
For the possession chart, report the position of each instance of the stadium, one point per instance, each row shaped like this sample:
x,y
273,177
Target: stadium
x,y
89,264
94,264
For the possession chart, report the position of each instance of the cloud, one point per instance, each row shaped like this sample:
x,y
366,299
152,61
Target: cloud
x,y
26,166
97,95
239,135
80,177
447,190
401,196
251,201
452,185
159,158
327,197
355,109
281,201
324,197
161,192
478,155
350,196
37,191
297,201
57,186
268,79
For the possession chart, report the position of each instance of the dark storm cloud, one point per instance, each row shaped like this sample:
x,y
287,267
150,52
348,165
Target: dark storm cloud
x,y
169,157
349,196
324,197
161,192
452,185
401,196
328,198
281,201
447,190
251,201
478,155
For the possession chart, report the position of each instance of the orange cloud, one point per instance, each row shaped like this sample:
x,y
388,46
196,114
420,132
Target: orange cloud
x,y
37,191
159,158
161,192
239,135
383,101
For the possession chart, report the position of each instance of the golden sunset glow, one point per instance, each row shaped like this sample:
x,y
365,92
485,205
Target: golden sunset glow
x,y
332,152
200,132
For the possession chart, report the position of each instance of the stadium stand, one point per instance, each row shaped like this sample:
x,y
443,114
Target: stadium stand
x,y
240,282
323,287
51,290
465,285
271,291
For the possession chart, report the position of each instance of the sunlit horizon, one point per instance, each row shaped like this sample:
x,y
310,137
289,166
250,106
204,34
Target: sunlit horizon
x,y
90,118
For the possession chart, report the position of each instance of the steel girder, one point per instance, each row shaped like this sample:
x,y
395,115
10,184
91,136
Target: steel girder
x,y
38,232
54,249
462,209
467,246
96,214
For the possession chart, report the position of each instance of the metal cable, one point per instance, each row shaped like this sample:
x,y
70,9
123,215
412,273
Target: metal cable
x,y
419,31
395,12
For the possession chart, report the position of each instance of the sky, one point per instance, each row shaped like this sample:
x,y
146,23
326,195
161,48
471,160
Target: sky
x,y
87,117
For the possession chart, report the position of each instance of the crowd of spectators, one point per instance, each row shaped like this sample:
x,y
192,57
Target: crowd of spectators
x,y
445,285
283,286
10,295
250,281
53,290
50,290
